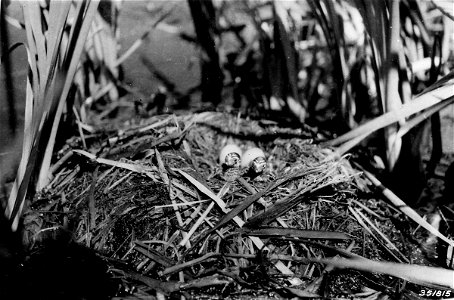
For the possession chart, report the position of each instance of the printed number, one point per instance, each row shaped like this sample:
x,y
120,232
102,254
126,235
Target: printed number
x,y
434,293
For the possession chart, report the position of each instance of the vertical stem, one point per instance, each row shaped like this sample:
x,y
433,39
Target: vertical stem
x,y
8,87
92,204
287,57
435,120
392,98
203,15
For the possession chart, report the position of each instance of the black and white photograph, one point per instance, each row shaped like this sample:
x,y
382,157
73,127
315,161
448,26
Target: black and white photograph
x,y
226,149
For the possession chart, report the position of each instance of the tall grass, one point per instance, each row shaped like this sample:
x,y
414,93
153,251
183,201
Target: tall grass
x,y
397,42
56,33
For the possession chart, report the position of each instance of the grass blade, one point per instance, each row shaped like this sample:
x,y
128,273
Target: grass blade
x,y
392,98
72,61
257,242
294,232
442,91
26,148
414,273
405,208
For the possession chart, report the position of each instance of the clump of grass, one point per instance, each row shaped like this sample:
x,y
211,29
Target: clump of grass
x,y
71,50
165,210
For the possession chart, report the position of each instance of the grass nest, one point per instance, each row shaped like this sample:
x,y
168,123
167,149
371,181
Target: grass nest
x,y
157,207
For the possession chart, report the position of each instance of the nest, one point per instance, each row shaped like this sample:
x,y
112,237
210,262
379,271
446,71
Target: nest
x,y
153,201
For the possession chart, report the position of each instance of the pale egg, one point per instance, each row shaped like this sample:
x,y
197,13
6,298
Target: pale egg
x,y
254,159
230,155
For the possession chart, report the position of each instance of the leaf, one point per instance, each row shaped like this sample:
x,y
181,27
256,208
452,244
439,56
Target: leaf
x,y
284,205
141,40
178,267
375,17
32,64
33,11
288,59
297,233
77,41
445,7
26,148
10,50
257,242
441,91
58,13
392,98
418,274
152,254
402,206
122,165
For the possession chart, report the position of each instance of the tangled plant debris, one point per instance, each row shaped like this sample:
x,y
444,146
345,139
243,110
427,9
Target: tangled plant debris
x,y
152,200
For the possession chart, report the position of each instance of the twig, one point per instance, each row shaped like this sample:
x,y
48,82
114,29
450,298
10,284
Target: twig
x,y
368,230
60,162
152,254
293,232
179,267
443,10
258,243
91,200
388,242
404,207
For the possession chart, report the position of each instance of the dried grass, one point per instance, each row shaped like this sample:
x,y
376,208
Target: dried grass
x,y
152,200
